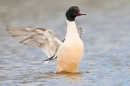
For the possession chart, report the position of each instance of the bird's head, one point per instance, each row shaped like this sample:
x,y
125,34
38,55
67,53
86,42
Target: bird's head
x,y
72,13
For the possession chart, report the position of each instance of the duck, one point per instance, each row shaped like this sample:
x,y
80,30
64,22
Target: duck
x,y
68,52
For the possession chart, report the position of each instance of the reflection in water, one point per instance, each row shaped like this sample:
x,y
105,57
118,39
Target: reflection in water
x,y
105,34
71,75
43,77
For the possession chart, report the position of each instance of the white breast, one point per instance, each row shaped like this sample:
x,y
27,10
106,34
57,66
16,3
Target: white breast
x,y
71,51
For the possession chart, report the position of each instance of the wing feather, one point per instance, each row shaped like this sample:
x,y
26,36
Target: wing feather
x,y
79,31
38,37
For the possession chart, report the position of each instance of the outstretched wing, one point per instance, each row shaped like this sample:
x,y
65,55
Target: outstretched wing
x,y
38,37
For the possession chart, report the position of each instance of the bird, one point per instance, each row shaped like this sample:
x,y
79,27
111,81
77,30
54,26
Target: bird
x,y
68,52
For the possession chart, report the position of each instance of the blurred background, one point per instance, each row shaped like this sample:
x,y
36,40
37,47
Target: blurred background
x,y
106,35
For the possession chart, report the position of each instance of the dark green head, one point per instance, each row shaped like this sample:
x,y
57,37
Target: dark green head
x,y
72,13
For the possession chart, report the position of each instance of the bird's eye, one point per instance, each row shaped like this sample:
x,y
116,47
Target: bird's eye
x,y
74,11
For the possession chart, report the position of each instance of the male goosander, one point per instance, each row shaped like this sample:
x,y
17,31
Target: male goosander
x,y
68,52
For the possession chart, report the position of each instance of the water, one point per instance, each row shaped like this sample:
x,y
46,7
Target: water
x,y
106,35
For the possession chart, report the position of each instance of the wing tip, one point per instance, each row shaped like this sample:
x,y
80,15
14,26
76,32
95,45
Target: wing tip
x,y
45,62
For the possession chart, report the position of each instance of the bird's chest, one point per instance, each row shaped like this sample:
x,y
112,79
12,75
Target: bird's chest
x,y
75,46
71,49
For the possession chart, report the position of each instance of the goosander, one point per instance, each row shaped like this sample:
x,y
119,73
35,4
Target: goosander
x,y
68,52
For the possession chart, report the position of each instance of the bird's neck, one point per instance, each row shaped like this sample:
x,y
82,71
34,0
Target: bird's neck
x,y
71,24
71,29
